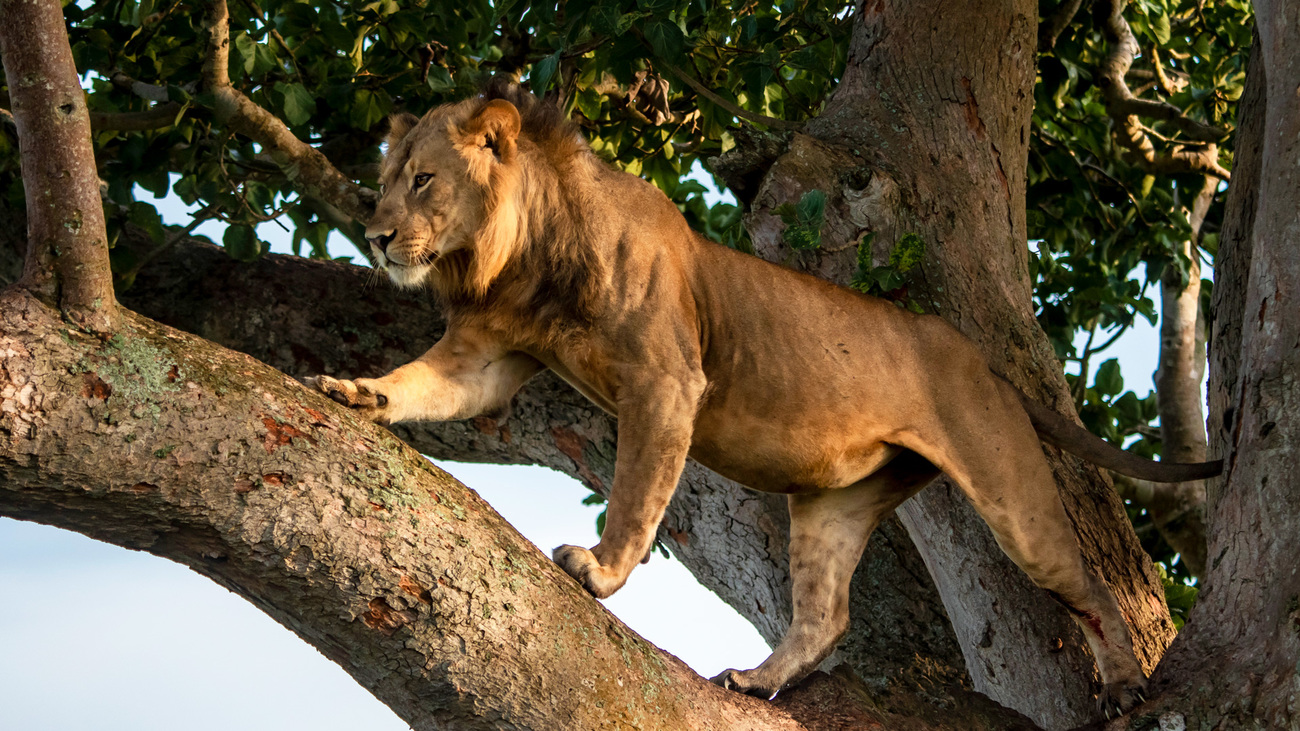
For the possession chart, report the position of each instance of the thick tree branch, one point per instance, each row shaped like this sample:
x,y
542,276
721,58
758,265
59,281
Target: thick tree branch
x,y
67,249
302,164
330,525
1125,109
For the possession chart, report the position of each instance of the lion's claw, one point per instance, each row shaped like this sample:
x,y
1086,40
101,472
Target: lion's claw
x,y
1118,698
339,397
734,680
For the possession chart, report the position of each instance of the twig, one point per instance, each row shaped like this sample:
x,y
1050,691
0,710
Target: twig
x,y
159,117
735,110
204,214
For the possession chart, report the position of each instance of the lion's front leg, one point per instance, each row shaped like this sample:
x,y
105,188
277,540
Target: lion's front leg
x,y
466,374
654,435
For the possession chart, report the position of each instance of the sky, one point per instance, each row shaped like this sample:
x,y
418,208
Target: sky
x,y
93,636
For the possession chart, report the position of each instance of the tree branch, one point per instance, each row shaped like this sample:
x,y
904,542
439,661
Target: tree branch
x,y
67,249
302,164
158,117
330,525
707,93
1124,109
1056,23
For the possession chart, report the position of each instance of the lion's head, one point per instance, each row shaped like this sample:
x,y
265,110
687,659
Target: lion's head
x,y
450,183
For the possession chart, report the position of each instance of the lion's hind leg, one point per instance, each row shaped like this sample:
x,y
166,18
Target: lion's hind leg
x,y
828,531
998,463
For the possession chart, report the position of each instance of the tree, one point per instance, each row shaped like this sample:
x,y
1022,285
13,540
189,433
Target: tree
x,y
901,146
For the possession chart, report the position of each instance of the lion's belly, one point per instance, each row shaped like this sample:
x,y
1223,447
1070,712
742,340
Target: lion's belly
x,y
780,456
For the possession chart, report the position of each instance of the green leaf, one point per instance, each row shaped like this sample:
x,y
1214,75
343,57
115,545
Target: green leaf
x,y
1109,381
295,102
147,219
1160,28
241,242
543,72
588,103
245,52
665,38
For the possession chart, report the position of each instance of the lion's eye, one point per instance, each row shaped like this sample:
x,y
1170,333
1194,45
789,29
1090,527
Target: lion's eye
x,y
423,178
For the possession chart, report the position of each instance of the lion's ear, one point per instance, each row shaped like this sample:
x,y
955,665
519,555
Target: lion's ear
x,y
399,125
494,127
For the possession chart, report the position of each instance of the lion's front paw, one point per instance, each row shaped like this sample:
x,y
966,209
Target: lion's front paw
x,y
744,681
1120,697
361,395
582,565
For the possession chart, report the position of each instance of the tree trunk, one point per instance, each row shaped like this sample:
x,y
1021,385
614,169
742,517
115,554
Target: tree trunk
x,y
927,134
1178,509
1235,663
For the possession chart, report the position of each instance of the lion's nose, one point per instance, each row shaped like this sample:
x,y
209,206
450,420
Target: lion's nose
x,y
382,241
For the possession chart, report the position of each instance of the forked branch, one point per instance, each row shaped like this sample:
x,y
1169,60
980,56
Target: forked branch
x,y
1199,156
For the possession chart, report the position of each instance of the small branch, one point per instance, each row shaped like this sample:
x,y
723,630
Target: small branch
x,y
150,92
159,117
309,170
1056,23
67,250
1166,85
1140,492
200,216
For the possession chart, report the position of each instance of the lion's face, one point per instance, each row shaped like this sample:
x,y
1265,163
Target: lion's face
x,y
441,183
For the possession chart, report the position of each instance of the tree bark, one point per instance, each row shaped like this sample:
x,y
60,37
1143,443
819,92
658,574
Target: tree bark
x,y
927,134
67,249
1235,663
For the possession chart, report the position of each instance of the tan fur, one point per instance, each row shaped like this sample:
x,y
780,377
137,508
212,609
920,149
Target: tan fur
x,y
546,258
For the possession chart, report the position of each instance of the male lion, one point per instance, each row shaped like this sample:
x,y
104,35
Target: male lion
x,y
544,257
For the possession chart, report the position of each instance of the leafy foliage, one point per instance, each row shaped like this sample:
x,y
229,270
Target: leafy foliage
x,y
333,72
803,221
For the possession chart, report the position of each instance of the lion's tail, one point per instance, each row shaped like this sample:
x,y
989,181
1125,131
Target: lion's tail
x,y
1059,431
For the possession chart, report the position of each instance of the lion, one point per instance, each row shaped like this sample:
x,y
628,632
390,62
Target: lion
x,y
544,257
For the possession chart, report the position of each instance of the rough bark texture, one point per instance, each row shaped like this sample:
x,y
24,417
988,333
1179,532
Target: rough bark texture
x,y
1235,664
68,249
927,134
1178,509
